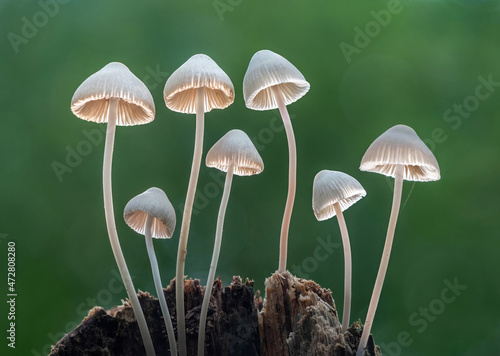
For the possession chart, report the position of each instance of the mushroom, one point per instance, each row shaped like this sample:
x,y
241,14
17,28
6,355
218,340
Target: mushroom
x,y
114,95
151,214
401,154
198,86
234,153
334,192
273,82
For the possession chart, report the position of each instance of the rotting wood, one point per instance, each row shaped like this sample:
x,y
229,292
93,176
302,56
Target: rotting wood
x,y
297,317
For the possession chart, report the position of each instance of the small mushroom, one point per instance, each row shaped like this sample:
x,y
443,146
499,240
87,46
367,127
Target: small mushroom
x,y
114,95
273,82
234,153
401,154
334,192
198,86
151,214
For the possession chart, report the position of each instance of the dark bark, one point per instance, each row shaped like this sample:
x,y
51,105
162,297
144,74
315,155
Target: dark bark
x,y
297,317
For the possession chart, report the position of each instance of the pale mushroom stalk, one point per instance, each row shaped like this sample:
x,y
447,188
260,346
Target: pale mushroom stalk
x,y
347,266
379,282
186,220
111,225
334,192
292,179
401,154
272,82
234,154
215,259
159,289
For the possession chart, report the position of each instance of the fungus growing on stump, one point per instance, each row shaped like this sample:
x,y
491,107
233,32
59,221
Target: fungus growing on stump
x,y
272,82
234,153
334,192
114,95
196,87
151,214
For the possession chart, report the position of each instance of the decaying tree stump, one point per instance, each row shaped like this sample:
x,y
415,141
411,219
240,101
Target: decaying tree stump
x,y
297,317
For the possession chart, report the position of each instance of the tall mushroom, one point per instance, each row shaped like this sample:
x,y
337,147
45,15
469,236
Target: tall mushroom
x,y
114,95
334,192
234,153
401,154
196,87
151,214
273,82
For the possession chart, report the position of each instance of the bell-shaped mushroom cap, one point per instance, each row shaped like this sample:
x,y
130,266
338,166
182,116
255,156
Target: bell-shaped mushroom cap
x,y
400,145
199,71
235,148
91,100
152,202
332,187
268,69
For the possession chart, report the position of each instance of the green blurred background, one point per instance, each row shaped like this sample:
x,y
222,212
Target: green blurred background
x,y
371,65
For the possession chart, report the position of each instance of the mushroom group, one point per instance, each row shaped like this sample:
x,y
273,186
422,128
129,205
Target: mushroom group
x,y
115,96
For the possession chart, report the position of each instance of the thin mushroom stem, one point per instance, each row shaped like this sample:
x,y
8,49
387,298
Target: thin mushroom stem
x,y
215,259
292,179
347,266
159,289
111,225
186,220
379,282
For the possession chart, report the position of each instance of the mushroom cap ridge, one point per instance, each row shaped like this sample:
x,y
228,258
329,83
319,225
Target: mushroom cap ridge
x,y
199,71
91,100
332,187
153,202
235,149
400,145
266,70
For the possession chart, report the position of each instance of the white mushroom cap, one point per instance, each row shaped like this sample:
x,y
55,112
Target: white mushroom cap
x,y
268,69
198,71
332,187
235,148
400,145
152,202
91,100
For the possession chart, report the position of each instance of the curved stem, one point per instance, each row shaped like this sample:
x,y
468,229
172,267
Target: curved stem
x,y
379,282
113,235
292,179
159,289
215,259
347,267
186,220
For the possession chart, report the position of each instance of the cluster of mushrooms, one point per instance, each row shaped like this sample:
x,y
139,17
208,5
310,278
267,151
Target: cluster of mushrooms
x,y
114,95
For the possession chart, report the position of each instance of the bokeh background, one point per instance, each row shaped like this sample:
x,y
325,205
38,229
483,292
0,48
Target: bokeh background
x,y
371,65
